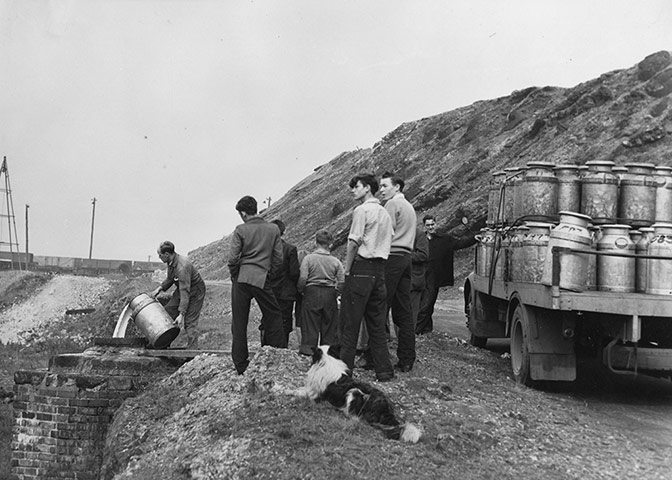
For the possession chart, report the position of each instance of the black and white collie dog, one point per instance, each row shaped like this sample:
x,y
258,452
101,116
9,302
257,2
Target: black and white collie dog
x,y
328,379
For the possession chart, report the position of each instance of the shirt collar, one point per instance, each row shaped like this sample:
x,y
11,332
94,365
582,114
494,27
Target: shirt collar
x,y
372,200
398,195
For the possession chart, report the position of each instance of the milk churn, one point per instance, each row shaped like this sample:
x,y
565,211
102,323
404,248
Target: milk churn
x,y
494,194
616,274
659,272
484,251
662,176
571,232
599,192
540,191
510,174
591,276
153,321
516,257
641,264
518,193
534,249
502,258
569,188
637,202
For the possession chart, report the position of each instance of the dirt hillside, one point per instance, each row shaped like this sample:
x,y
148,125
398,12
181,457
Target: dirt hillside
x,y
447,159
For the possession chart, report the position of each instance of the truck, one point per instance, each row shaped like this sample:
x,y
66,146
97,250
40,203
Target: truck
x,y
550,327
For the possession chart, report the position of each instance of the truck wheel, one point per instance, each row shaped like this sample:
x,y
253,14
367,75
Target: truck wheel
x,y
520,355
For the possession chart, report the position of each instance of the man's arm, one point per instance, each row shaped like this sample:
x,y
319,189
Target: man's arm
x,y
303,276
293,261
420,252
184,284
235,252
350,252
276,257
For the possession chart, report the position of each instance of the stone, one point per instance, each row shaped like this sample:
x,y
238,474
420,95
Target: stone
x,y
653,64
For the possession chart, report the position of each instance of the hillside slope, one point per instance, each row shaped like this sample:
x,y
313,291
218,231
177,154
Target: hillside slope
x,y
447,159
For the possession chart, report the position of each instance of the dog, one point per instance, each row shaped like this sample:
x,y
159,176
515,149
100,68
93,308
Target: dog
x,y
329,379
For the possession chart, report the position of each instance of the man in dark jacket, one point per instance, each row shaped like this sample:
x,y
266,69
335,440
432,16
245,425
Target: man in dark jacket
x,y
419,259
439,270
283,282
255,252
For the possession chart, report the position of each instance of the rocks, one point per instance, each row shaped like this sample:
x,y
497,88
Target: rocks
x,y
660,85
653,64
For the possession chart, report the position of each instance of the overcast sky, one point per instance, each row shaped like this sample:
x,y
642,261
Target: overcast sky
x,y
167,112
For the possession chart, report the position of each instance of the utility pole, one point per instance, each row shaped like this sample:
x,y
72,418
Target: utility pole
x,y
268,202
93,218
27,207
9,215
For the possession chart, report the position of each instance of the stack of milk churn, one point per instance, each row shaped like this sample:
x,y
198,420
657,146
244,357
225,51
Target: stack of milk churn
x,y
624,212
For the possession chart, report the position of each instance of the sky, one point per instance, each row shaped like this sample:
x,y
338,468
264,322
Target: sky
x,y
168,111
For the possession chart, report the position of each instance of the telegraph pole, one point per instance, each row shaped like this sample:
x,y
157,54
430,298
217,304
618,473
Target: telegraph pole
x,y
27,207
93,218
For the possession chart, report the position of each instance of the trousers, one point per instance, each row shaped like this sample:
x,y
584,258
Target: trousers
x,y
365,297
241,298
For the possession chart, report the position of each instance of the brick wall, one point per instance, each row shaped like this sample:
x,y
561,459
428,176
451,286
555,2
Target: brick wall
x,y
62,415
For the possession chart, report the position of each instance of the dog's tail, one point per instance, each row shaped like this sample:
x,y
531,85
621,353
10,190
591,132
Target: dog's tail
x,y
406,432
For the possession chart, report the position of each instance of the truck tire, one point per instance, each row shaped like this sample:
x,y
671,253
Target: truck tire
x,y
520,355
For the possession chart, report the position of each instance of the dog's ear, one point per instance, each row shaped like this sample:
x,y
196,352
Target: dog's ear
x,y
334,351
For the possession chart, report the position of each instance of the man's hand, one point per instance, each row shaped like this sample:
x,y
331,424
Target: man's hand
x,y
155,293
179,321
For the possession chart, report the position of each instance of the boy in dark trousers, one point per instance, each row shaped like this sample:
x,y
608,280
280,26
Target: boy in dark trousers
x,y
321,278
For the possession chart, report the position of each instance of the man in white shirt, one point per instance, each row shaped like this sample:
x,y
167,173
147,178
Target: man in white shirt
x,y
364,293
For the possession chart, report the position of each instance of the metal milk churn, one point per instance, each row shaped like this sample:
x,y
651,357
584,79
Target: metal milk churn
x,y
494,193
641,264
484,251
569,188
599,192
539,191
637,201
616,274
571,232
591,276
659,272
516,257
534,249
510,174
502,259
153,321
518,193
662,176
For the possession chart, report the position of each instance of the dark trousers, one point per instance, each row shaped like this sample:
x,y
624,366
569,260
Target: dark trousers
x,y
416,297
196,299
241,298
320,318
364,296
287,313
425,324
398,285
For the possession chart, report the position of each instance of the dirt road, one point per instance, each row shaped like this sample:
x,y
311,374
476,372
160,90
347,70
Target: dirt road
x,y
640,405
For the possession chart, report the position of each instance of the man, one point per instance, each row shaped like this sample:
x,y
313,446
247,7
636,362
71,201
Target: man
x,y
364,294
255,252
419,259
284,280
187,301
439,271
398,267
